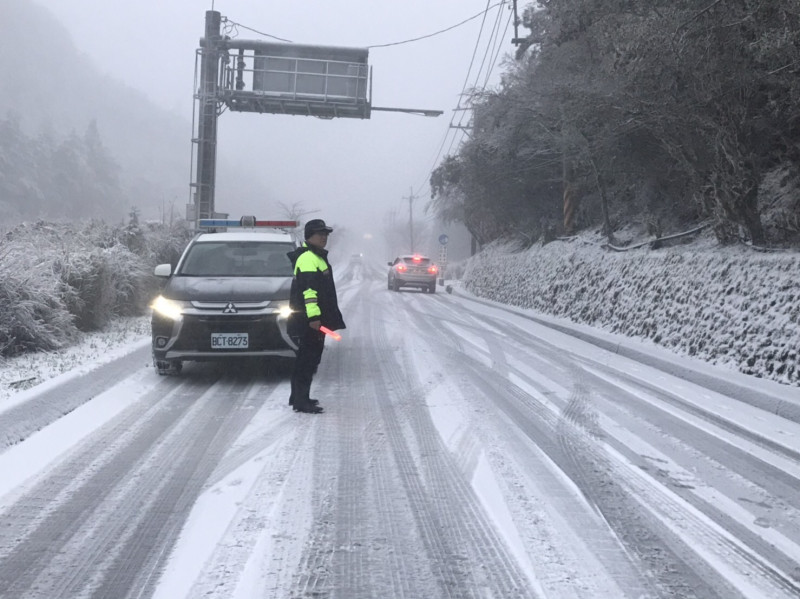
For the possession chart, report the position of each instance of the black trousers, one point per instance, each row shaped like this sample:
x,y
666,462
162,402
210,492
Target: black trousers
x,y
309,353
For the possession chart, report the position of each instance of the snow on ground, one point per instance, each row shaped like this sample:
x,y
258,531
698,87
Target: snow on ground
x,y
41,450
29,371
666,295
730,306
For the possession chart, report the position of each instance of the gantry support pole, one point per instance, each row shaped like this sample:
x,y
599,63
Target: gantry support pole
x,y
207,125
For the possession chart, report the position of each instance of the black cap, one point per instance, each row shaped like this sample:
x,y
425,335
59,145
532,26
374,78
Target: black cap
x,y
315,226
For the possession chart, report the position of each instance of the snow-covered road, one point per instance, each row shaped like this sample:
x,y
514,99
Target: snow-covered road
x,y
466,451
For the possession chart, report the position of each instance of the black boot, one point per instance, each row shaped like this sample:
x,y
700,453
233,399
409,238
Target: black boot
x,y
300,389
300,399
313,401
309,408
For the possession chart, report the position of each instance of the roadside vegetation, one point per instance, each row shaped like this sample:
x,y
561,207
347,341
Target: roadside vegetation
x,y
738,308
60,280
656,114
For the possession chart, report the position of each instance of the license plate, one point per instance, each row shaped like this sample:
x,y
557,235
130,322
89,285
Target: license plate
x,y
229,341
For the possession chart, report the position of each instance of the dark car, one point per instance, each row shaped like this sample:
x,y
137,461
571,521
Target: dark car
x,y
413,271
228,298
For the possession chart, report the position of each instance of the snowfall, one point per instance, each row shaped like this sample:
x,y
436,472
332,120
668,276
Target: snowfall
x,y
559,422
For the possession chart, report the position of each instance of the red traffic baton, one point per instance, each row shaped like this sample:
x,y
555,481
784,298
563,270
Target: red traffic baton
x,y
330,333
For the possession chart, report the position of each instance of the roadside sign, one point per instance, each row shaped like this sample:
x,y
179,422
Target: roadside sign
x,y
442,258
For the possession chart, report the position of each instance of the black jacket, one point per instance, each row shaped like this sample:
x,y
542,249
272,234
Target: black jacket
x,y
313,287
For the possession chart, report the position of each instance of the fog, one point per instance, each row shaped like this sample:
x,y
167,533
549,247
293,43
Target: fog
x,y
351,172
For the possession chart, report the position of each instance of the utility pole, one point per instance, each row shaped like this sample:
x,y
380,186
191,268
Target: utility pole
x,y
570,197
411,197
206,102
516,40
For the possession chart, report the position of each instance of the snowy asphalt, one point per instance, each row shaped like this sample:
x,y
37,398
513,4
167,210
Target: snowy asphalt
x,y
467,450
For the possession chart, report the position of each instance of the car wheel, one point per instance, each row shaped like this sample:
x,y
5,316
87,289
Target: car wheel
x,y
432,288
168,367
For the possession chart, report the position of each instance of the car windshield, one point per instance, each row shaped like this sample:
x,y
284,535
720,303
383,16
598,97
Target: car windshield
x,y
237,259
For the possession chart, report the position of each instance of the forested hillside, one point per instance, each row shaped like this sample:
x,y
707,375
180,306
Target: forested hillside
x,y
72,177
652,113
77,143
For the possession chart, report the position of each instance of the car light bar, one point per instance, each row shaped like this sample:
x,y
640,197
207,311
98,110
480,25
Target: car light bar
x,y
247,221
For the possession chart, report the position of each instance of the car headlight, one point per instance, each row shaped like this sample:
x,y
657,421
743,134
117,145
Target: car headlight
x,y
172,309
284,311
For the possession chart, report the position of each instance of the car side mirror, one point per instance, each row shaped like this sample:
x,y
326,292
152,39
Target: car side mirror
x,y
163,270
390,263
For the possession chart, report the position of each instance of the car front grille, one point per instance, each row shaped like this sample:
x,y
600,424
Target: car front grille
x,y
262,330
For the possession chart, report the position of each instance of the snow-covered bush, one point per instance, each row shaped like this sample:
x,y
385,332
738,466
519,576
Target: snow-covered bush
x,y
99,283
729,305
33,316
455,270
779,199
59,279
164,243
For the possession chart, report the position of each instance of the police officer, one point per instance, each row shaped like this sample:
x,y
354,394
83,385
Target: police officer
x,y
314,304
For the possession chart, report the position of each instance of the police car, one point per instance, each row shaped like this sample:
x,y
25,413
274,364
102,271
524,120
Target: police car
x,y
228,296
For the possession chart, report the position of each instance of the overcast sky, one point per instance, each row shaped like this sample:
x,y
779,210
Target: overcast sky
x,y
352,171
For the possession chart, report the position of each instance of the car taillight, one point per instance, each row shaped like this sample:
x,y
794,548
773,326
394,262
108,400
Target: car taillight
x,y
432,269
401,268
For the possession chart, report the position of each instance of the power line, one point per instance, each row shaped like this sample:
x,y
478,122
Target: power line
x,y
450,127
498,47
386,45
436,159
493,38
466,82
492,45
464,22
492,64
275,37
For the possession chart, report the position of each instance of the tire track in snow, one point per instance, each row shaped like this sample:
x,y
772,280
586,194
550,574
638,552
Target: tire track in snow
x,y
672,570
363,540
762,558
260,534
36,529
578,412
184,463
112,533
18,422
467,556
538,422
645,535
